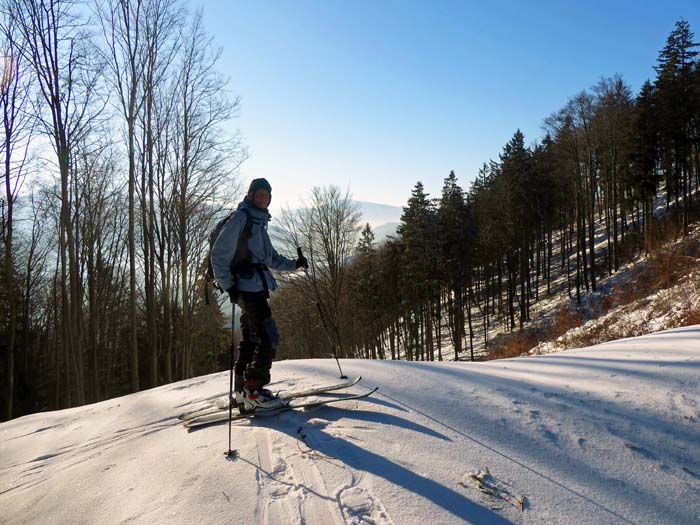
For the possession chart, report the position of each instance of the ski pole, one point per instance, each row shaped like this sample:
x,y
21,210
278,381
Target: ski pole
x,y
323,320
231,454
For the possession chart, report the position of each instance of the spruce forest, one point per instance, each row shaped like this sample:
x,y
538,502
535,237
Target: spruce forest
x,y
118,159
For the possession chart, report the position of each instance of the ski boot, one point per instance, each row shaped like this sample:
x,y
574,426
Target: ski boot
x,y
239,395
260,400
239,401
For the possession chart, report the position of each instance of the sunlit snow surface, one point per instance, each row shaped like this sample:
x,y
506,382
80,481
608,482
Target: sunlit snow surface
x,y
606,434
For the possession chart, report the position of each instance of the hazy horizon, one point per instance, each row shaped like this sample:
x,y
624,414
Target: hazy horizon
x,y
374,96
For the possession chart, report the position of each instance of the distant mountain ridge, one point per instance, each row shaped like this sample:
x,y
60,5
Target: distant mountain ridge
x,y
379,214
385,230
383,218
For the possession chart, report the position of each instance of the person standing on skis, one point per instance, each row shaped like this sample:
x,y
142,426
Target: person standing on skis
x,y
241,258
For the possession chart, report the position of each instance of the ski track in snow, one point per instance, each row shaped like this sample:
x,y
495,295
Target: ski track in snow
x,y
298,485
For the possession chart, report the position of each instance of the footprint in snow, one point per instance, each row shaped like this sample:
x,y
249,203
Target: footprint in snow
x,y
551,436
358,505
691,473
639,450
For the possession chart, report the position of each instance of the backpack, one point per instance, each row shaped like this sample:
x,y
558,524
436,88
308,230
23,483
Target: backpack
x,y
242,253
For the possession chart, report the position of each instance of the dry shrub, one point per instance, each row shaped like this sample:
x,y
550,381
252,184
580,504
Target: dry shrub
x,y
626,293
513,344
691,318
667,266
629,247
666,229
593,335
563,321
690,248
609,301
664,271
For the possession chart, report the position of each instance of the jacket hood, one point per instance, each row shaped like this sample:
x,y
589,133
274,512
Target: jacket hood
x,y
254,210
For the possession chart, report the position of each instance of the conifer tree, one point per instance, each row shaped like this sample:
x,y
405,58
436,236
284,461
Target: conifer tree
x,y
417,231
454,258
363,282
643,147
517,214
677,107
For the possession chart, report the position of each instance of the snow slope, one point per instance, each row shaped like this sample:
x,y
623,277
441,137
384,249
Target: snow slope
x,y
600,435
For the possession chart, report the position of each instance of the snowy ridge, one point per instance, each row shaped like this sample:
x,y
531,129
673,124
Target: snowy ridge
x,y
600,435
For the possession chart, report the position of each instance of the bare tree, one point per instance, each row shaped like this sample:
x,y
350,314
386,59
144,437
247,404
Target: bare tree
x,y
121,22
326,228
59,50
162,21
203,162
613,114
107,266
17,128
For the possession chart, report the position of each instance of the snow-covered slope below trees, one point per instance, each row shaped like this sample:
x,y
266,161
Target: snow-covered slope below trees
x,y
600,435
650,294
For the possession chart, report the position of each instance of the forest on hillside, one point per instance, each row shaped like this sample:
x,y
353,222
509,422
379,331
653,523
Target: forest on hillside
x,y
616,174
118,160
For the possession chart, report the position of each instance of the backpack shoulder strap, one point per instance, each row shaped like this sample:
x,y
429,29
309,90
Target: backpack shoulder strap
x,y
249,221
242,253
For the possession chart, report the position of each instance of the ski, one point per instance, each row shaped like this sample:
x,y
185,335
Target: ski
x,y
223,406
322,389
221,416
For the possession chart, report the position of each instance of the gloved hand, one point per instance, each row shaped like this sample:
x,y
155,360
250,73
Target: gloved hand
x,y
232,294
302,263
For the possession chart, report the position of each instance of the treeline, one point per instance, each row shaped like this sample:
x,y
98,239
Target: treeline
x,y
471,259
116,162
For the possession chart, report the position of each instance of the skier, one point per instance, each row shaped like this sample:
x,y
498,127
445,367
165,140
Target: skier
x,y
241,257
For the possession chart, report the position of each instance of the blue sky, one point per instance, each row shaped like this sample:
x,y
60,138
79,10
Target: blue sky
x,y
376,95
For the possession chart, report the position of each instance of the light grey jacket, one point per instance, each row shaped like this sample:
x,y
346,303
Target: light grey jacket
x,y
261,251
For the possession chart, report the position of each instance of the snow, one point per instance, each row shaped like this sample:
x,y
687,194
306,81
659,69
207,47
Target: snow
x,y
600,435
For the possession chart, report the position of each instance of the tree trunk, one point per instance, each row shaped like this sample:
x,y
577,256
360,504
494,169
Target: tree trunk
x,y
133,325
10,281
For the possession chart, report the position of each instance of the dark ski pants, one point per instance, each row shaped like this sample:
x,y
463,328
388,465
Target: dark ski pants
x,y
259,343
